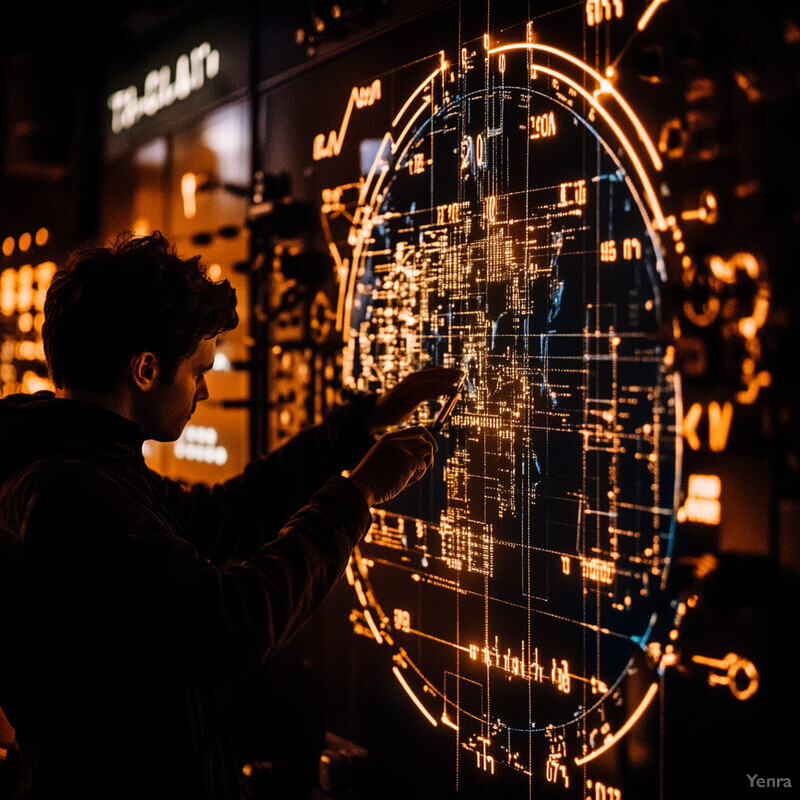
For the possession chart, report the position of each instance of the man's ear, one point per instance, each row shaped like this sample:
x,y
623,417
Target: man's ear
x,y
144,369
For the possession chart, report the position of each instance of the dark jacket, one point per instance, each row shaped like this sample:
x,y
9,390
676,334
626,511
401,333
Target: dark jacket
x,y
126,598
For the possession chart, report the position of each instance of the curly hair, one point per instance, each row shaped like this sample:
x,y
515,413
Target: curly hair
x,y
108,303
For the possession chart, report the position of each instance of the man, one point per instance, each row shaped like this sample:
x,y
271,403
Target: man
x,y
127,598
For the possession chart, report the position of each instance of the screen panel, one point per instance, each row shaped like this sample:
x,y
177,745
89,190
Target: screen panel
x,y
553,200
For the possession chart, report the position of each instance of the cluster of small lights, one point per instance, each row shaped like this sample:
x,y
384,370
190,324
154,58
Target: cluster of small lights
x,y
24,242
199,443
23,290
11,380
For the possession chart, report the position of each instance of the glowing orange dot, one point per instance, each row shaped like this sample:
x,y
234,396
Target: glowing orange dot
x,y
42,236
25,242
8,245
25,322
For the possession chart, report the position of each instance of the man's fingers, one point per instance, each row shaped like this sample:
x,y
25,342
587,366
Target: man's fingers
x,y
429,383
428,436
395,461
418,433
438,380
398,403
421,446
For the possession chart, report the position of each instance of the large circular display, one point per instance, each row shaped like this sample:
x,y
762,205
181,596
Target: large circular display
x,y
508,228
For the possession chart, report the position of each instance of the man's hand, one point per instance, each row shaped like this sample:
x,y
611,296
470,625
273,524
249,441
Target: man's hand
x,y
398,404
395,461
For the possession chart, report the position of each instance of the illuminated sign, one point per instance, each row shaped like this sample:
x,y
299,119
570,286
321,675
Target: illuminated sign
x,y
162,87
702,500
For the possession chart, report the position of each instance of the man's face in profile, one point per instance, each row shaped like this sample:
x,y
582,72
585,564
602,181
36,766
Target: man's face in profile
x,y
169,405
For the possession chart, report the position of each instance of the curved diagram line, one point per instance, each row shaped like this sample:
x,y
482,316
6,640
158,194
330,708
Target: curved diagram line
x,y
606,88
632,720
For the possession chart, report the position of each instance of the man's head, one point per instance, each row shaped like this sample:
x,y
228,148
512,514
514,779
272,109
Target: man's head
x,y
120,315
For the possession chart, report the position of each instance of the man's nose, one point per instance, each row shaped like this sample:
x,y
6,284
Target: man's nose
x,y
202,391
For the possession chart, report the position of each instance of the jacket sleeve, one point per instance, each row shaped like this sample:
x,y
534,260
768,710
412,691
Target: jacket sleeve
x,y
122,593
231,520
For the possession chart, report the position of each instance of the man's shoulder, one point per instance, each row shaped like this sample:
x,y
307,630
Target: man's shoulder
x,y
43,471
52,495
51,480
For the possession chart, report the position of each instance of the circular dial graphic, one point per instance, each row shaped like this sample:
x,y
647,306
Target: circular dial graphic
x,y
508,228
